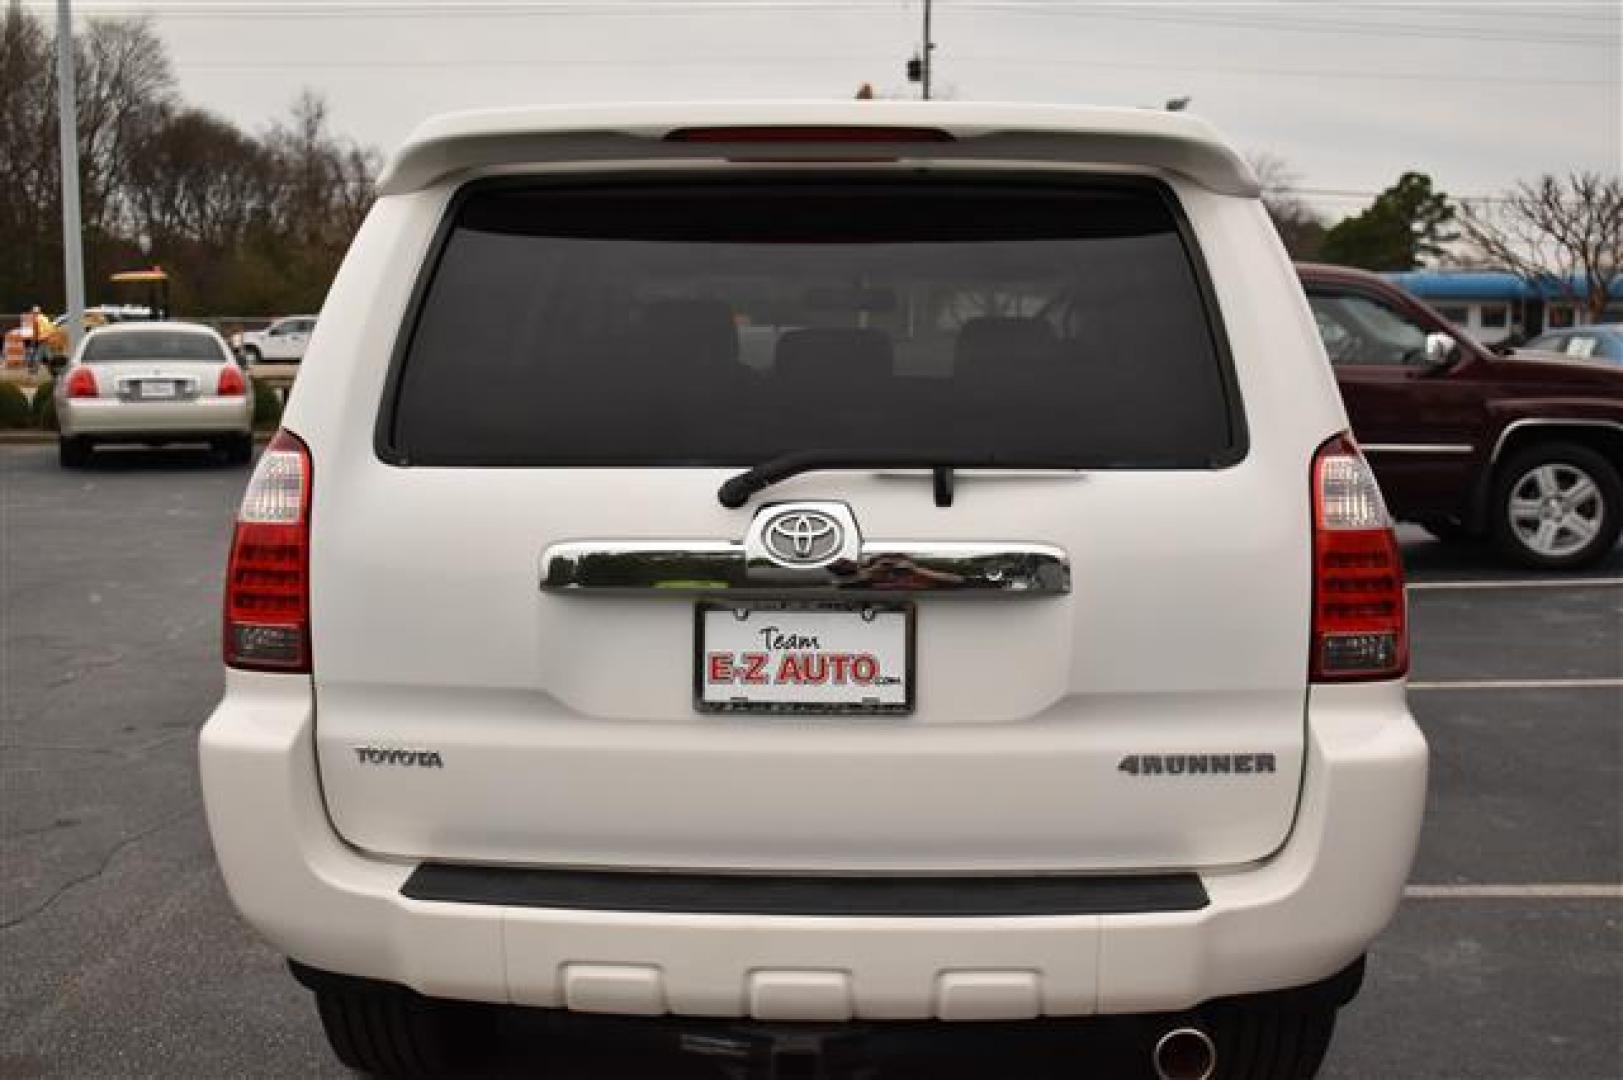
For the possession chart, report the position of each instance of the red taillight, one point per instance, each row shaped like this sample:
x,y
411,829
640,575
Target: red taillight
x,y
231,384
801,133
267,588
1360,616
82,383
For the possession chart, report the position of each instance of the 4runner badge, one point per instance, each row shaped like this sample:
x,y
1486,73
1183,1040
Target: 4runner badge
x,y
1196,764
390,755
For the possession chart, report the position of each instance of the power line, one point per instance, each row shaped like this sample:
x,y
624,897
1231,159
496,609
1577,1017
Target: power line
x,y
484,8
659,62
1275,24
1306,73
541,63
1245,16
1467,8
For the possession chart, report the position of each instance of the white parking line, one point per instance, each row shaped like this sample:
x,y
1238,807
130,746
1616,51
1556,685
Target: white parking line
x,y
1533,583
1513,892
1519,684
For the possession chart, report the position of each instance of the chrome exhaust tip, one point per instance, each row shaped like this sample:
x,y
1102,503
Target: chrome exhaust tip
x,y
1185,1054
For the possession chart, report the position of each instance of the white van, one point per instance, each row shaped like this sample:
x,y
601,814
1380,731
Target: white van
x,y
818,562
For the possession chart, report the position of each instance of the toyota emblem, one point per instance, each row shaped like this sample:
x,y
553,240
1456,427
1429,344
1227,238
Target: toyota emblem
x,y
803,538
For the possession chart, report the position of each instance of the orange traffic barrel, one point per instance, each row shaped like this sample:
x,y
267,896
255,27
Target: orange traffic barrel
x,y
16,349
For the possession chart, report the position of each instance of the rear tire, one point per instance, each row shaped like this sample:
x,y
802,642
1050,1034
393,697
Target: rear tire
x,y
73,451
389,1031
1264,1042
1545,496
237,449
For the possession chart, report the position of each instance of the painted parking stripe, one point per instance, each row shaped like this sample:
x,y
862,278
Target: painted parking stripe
x,y
1532,583
1513,892
1520,684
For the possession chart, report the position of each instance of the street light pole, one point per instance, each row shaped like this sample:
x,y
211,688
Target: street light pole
x,y
67,108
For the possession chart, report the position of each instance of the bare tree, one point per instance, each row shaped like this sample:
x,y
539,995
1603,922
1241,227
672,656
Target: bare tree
x,y
29,209
254,223
326,181
125,86
1563,234
1299,227
199,180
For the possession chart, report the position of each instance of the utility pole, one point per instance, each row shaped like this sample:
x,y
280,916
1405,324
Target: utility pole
x,y
67,108
918,68
928,46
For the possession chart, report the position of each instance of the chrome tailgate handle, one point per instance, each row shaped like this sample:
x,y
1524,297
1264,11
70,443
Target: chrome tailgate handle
x,y
990,569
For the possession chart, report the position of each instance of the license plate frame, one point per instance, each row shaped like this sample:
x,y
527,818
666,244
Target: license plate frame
x,y
870,706
157,390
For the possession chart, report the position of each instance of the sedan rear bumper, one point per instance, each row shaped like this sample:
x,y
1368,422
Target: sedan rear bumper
x,y
105,418
1293,919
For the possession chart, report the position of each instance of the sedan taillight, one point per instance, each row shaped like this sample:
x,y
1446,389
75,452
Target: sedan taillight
x,y
267,589
231,384
1360,616
82,383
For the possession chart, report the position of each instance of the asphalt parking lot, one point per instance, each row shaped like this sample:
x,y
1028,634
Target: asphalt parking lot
x,y
120,955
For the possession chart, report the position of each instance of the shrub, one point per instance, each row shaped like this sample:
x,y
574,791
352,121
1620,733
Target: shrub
x,y
267,406
44,409
14,411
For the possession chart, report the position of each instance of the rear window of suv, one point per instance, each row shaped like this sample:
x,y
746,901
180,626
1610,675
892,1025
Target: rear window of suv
x,y
697,324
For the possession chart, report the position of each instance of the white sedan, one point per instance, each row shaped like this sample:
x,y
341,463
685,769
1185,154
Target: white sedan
x,y
153,383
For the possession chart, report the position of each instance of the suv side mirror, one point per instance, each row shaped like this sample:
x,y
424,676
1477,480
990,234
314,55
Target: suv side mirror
x,y
1440,350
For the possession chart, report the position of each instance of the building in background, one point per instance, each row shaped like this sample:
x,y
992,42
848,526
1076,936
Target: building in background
x,y
1490,304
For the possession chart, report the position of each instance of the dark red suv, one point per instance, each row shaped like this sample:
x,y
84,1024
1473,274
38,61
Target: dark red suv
x,y
1467,443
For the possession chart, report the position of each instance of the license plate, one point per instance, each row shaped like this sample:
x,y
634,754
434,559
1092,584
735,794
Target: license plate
x,y
151,389
830,657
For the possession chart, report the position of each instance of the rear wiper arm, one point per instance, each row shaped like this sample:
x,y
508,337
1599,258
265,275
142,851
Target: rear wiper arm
x,y
736,490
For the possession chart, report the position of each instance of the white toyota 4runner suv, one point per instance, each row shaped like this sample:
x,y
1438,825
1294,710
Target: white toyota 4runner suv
x,y
818,562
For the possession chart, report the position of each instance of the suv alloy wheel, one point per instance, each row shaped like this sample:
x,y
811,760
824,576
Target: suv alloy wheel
x,y
1557,506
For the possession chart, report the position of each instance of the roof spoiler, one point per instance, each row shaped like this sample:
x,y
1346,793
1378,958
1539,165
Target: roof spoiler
x,y
640,134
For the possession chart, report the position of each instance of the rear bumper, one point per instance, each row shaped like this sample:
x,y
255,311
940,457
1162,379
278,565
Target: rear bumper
x,y
1294,919
111,419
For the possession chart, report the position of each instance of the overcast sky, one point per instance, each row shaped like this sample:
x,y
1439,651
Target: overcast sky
x,y
1350,92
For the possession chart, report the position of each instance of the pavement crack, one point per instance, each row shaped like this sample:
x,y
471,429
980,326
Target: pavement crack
x,y
40,830
56,748
125,753
107,861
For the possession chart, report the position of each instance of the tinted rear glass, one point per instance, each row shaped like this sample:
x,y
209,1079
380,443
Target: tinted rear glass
x,y
705,325
148,345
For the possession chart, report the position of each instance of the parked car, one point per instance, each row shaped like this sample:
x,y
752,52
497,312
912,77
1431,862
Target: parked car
x,y
273,354
153,383
1026,639
1472,445
1600,342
